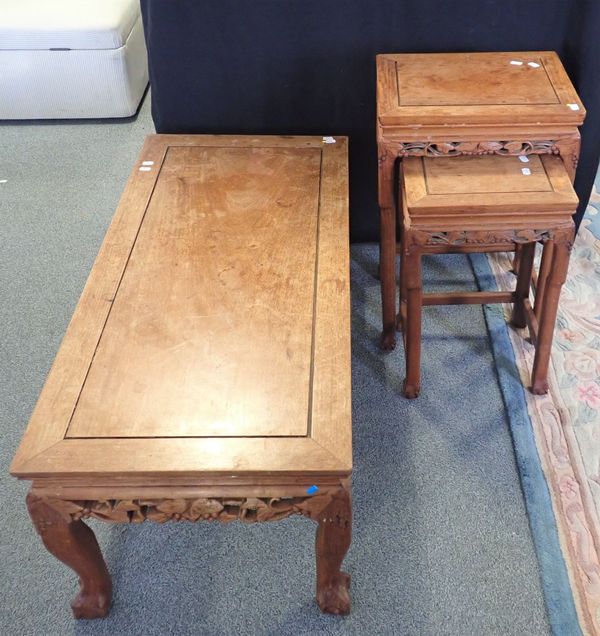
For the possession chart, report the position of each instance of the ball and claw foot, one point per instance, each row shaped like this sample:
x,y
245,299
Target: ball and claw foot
x,y
91,604
388,340
540,387
411,391
335,598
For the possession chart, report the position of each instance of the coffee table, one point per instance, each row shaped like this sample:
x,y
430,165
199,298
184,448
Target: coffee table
x,y
461,104
205,374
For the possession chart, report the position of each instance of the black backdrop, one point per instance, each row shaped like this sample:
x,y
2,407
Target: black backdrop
x,y
308,66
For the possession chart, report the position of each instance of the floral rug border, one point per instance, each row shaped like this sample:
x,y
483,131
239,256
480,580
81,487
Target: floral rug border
x,y
573,401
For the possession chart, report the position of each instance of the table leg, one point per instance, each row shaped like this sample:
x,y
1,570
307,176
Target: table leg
x,y
543,278
554,283
414,301
523,284
387,249
402,288
73,543
516,260
387,271
568,149
333,540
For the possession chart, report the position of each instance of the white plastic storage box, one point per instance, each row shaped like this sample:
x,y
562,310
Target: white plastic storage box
x,y
71,58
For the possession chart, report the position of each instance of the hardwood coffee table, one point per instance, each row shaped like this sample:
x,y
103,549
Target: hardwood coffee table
x,y
205,374
457,104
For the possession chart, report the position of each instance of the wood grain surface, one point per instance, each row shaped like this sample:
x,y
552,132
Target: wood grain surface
x,y
438,80
210,333
213,334
479,175
514,88
488,185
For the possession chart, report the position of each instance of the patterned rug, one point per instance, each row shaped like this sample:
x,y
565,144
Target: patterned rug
x,y
564,498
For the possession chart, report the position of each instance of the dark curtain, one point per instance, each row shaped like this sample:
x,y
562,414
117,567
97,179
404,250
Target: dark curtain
x,y
308,66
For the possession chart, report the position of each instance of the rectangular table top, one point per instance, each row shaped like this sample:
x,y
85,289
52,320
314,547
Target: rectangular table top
x,y
479,186
213,334
521,88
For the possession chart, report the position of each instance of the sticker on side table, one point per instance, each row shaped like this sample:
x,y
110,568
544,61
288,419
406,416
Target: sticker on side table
x,y
573,106
328,140
524,158
516,63
145,169
526,171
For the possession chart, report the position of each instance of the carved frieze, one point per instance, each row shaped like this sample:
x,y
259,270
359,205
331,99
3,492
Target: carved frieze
x,y
489,237
454,148
247,510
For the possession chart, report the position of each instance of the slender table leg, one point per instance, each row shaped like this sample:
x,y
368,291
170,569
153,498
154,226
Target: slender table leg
x,y
523,284
516,260
554,283
568,149
543,278
387,249
387,269
414,300
73,543
333,540
402,288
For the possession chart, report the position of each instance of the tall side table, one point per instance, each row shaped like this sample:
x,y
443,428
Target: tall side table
x,y
453,104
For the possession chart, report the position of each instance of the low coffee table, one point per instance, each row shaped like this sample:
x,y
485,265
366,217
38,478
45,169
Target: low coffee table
x,y
205,374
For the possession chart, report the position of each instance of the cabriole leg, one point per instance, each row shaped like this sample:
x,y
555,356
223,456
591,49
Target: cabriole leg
x,y
73,543
333,540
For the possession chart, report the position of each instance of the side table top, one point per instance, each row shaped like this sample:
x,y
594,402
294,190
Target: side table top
x,y
457,189
213,334
508,88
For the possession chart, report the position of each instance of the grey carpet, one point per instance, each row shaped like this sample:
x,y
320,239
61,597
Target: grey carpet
x,y
441,538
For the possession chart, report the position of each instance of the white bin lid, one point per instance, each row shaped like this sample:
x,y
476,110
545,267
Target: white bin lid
x,y
66,24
